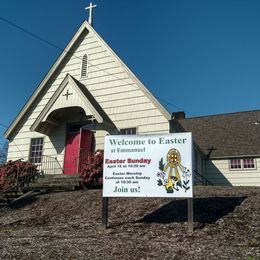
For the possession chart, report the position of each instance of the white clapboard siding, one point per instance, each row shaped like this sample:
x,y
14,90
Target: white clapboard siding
x,y
217,171
114,104
109,82
108,66
134,108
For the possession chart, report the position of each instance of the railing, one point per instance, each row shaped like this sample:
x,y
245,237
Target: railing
x,y
18,175
18,178
49,165
198,178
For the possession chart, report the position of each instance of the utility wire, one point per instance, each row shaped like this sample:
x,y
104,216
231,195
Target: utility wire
x,y
3,125
61,49
30,33
2,137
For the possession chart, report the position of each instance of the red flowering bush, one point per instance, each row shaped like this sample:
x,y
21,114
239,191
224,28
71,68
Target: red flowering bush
x,y
91,172
16,171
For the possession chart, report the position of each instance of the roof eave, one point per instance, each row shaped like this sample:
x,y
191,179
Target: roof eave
x,y
234,156
68,79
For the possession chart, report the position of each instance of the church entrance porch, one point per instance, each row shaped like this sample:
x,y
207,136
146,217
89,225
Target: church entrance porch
x,y
71,138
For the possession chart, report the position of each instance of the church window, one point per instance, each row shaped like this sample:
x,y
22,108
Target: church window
x,y
36,150
84,66
249,163
242,164
235,164
128,131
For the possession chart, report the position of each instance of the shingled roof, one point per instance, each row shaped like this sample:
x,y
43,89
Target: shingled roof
x,y
225,135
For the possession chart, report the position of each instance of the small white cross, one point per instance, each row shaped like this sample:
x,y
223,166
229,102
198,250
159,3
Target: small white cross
x,y
67,94
90,7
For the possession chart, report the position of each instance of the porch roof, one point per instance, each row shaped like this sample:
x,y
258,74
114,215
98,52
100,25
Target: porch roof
x,y
89,104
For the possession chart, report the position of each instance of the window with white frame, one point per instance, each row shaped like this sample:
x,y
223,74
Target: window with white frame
x,y
36,150
128,131
249,163
242,164
84,66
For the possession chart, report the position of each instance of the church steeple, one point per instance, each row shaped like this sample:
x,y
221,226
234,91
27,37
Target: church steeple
x,y
90,7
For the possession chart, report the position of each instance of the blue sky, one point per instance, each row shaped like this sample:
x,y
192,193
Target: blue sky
x,y
201,56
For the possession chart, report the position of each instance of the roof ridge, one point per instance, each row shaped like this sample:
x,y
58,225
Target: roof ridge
x,y
223,114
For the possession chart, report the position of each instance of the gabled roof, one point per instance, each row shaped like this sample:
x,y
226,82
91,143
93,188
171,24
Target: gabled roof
x,y
83,93
226,135
85,26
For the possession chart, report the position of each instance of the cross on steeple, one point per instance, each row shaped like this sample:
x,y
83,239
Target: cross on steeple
x,y
90,7
67,94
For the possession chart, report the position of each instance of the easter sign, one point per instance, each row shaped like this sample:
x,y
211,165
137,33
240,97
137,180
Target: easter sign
x,y
148,166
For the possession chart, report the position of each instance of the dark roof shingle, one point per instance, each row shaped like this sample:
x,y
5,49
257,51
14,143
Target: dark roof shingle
x,y
227,135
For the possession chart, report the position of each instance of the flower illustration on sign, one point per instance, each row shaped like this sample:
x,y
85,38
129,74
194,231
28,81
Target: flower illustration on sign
x,y
169,174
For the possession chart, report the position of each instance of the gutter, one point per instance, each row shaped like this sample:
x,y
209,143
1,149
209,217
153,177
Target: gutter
x,y
234,156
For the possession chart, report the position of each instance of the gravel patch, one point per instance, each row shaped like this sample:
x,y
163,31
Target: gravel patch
x,y
67,225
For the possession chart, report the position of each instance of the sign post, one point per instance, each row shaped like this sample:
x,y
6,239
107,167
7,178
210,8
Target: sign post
x,y
148,166
105,211
190,215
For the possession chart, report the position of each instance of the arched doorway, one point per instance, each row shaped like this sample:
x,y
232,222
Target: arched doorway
x,y
78,141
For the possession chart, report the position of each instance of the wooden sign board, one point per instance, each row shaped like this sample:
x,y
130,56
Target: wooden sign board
x,y
148,166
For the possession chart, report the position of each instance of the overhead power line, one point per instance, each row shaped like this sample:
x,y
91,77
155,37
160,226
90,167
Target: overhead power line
x,y
61,49
30,33
2,137
3,125
17,147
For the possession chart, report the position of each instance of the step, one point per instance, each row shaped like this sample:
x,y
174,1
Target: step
x,y
13,192
12,196
59,176
55,179
54,182
43,187
5,201
8,198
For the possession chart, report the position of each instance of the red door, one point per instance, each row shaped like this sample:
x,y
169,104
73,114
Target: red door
x,y
76,142
71,153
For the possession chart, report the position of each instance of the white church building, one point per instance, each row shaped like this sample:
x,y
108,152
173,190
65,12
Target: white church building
x,y
87,86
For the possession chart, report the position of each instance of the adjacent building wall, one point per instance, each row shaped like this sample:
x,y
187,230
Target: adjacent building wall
x,y
218,172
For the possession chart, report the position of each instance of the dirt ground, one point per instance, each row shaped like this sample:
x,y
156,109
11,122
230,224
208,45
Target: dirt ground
x,y
67,225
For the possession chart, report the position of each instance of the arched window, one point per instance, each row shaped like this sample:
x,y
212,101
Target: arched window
x,y
84,66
